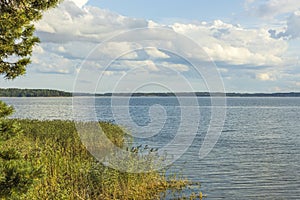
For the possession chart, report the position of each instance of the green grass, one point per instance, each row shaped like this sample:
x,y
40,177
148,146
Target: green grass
x,y
69,171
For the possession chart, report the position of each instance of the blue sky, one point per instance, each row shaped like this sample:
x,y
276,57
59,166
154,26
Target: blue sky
x,y
141,45
160,11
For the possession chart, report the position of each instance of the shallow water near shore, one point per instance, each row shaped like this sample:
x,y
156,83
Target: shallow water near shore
x,y
256,157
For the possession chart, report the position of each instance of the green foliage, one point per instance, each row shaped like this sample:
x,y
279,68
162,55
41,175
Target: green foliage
x,y
8,129
10,154
17,33
17,176
5,110
71,172
16,43
47,159
15,92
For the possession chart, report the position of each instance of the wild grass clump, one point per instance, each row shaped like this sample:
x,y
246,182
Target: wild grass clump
x,y
69,171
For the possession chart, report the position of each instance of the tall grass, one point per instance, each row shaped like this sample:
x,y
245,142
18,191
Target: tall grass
x,y
69,171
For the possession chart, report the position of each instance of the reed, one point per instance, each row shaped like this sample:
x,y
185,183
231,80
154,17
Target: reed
x,y
69,171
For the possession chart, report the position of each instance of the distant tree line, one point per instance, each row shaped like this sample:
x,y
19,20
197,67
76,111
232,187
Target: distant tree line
x,y
199,94
15,92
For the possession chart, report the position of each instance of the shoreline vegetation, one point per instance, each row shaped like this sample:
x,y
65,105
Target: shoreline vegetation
x,y
17,92
68,171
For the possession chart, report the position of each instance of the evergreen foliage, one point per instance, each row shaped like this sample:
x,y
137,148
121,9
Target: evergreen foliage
x,y
16,43
16,174
17,33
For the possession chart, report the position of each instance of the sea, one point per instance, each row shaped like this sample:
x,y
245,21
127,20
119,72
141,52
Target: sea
x,y
254,152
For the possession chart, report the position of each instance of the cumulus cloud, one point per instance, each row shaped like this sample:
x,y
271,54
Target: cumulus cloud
x,y
51,63
80,3
292,29
297,84
147,65
156,53
89,24
71,32
271,8
115,50
235,45
176,66
276,9
265,77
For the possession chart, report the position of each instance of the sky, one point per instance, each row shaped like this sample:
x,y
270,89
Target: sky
x,y
140,45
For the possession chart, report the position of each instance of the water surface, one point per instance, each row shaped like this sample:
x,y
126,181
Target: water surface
x,y
256,157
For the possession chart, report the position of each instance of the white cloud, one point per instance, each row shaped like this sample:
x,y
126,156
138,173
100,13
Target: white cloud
x,y
297,84
265,77
69,33
155,53
68,23
147,65
278,89
176,67
38,49
235,45
61,49
115,50
77,30
251,58
44,61
272,8
284,13
292,29
80,3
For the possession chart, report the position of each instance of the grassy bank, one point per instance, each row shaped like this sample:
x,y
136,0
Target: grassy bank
x,y
70,172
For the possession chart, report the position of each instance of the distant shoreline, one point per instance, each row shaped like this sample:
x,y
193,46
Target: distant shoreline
x,y
16,92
